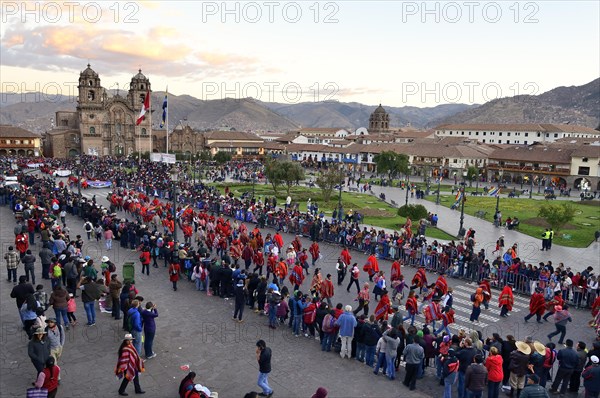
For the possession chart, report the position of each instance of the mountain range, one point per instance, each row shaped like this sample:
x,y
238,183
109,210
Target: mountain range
x,y
575,105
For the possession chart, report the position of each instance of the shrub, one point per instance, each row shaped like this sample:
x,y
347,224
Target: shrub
x,y
415,212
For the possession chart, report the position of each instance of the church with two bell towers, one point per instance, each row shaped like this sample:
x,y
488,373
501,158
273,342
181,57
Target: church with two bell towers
x,y
103,124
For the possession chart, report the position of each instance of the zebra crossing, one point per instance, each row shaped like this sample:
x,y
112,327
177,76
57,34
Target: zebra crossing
x,y
462,307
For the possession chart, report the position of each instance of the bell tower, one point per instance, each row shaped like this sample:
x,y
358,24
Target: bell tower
x,y
91,92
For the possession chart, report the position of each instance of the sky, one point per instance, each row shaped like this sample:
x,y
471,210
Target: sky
x,y
390,52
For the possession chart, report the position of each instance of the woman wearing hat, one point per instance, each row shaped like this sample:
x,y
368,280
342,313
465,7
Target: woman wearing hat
x,y
39,349
129,366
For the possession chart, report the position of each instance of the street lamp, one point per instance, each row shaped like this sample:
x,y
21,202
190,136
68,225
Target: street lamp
x,y
340,208
539,183
500,173
253,183
437,199
407,187
530,186
174,174
78,168
461,230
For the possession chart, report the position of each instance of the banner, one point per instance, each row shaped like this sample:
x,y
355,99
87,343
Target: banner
x,y
34,165
99,184
61,173
163,157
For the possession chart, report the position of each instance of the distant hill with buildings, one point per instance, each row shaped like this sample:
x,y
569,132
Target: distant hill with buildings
x,y
578,105
575,105
355,115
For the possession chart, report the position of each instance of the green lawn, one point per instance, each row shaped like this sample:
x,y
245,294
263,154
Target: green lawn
x,y
376,212
447,187
581,229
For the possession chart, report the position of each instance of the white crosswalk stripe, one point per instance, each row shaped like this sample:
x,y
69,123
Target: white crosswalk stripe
x,y
519,301
463,308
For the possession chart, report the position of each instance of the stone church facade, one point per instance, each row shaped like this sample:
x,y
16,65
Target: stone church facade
x,y
103,124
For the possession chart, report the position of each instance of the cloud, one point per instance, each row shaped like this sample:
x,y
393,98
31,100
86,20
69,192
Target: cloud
x,y
358,91
160,50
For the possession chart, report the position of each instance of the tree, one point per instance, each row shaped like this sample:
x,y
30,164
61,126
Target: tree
x,y
328,180
472,173
222,157
557,216
272,174
289,173
391,163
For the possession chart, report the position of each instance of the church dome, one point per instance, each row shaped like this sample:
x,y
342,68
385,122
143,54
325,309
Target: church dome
x,y
139,76
88,72
379,109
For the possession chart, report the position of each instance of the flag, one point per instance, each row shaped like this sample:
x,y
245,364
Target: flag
x,y
164,114
145,108
494,191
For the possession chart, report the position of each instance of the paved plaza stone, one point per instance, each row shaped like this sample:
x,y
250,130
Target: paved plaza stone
x,y
196,330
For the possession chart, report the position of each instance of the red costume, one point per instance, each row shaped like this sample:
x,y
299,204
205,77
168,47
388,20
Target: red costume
x,y
326,289
396,272
411,305
537,304
420,278
506,298
432,312
314,251
441,285
372,266
346,257
297,275
384,308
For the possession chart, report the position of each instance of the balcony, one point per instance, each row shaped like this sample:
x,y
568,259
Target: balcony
x,y
564,170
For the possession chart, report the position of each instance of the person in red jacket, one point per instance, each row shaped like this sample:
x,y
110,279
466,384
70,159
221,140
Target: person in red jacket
x,y
303,259
487,292
346,257
314,251
327,290
493,364
278,240
441,286
22,244
145,259
419,280
371,267
556,300
411,307
395,272
308,317
384,307
247,255
297,276
174,273
506,300
259,261
537,306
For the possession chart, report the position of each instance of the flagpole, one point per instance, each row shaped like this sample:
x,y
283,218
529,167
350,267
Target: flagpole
x,y
167,118
150,131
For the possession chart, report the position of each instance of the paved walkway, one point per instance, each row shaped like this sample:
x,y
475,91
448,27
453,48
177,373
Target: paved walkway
x,y
486,235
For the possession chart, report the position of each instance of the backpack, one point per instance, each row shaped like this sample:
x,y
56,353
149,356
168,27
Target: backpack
x,y
129,325
88,226
328,323
57,271
111,267
473,297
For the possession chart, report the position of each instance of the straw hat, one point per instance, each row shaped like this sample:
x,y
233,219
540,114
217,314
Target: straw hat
x,y
523,347
539,347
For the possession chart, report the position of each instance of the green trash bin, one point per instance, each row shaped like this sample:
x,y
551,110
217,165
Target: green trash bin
x,y
129,272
